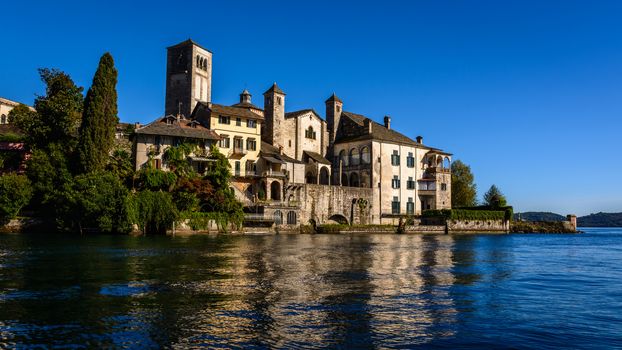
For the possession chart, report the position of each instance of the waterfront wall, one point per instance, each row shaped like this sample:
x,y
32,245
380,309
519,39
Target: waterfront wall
x,y
322,203
478,226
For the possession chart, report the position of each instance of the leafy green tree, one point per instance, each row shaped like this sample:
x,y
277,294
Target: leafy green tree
x,y
120,164
154,211
49,173
156,180
177,158
99,119
192,193
463,188
58,113
15,193
494,198
223,200
95,202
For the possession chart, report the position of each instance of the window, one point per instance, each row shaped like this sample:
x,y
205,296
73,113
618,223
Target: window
x,y
410,206
251,144
338,109
158,140
237,168
309,133
395,206
225,142
176,141
290,143
410,184
395,183
443,187
251,123
354,156
410,160
291,218
238,121
238,143
278,217
395,158
224,119
278,100
365,155
343,157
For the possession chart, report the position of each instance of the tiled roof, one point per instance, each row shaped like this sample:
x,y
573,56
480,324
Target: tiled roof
x,y
246,105
379,132
334,97
317,157
269,150
295,114
275,88
188,42
228,111
181,128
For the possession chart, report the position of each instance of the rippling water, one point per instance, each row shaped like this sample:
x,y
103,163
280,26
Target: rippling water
x,y
312,291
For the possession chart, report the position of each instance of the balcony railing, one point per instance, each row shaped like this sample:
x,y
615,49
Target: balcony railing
x,y
274,173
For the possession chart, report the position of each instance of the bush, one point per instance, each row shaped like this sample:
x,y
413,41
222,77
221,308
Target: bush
x,y
156,180
153,212
15,193
473,213
95,202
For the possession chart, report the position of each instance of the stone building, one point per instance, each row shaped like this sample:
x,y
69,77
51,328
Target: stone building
x,y
152,140
295,166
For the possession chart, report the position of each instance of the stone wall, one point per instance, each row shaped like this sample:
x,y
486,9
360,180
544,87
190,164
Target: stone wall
x,y
323,203
478,226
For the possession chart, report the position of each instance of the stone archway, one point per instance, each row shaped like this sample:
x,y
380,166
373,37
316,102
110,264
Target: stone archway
x,y
275,191
339,218
324,177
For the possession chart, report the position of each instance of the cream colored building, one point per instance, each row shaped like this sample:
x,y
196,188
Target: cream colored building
x,y
5,107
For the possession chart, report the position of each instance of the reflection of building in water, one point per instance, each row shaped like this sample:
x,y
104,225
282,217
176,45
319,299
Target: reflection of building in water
x,y
412,276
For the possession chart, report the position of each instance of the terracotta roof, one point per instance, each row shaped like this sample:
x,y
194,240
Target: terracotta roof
x,y
271,151
181,128
227,110
246,105
334,97
295,114
317,157
275,88
13,103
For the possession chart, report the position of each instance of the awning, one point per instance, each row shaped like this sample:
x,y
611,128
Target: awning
x,y
272,160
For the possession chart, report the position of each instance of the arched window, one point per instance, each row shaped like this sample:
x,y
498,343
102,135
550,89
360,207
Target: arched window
x,y
310,133
3,119
354,180
343,157
275,191
365,155
291,218
354,156
198,61
324,176
365,180
446,163
278,217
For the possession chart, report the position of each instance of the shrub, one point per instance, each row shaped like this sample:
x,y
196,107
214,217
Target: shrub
x,y
15,193
156,180
153,212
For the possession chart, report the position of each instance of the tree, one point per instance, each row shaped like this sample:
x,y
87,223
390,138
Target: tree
x,y
154,212
58,113
494,198
120,164
463,188
223,201
15,193
95,201
99,118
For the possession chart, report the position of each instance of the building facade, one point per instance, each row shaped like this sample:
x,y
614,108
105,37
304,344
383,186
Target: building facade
x,y
298,167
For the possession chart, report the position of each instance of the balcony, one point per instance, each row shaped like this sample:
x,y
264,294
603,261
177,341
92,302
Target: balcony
x,y
237,153
273,173
436,169
427,187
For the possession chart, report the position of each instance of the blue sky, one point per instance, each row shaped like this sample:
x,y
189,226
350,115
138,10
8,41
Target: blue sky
x,y
529,93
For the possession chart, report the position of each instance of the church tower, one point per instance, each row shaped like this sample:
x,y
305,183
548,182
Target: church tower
x,y
274,117
188,77
334,107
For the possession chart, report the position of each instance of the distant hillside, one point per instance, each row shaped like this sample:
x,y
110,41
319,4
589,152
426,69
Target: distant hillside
x,y
538,216
600,220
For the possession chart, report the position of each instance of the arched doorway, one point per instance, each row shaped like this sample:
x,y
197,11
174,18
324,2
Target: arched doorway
x,y
339,218
324,176
275,191
344,179
278,217
310,178
262,191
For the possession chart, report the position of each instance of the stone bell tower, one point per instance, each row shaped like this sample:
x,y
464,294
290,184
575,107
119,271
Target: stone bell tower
x,y
274,113
188,77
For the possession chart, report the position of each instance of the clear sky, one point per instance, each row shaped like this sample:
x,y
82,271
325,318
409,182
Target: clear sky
x,y
528,92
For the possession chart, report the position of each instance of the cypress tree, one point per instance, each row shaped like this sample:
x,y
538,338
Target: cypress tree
x,y
99,118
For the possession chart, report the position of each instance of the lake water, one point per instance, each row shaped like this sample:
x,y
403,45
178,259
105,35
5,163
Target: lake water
x,y
312,291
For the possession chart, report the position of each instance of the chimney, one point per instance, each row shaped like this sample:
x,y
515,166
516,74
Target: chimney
x,y
387,122
136,125
368,125
420,140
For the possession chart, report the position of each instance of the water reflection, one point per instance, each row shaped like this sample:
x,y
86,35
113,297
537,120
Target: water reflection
x,y
286,291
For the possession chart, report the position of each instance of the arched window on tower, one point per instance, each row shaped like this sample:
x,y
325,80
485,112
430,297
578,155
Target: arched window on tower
x,y
365,155
354,156
310,133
